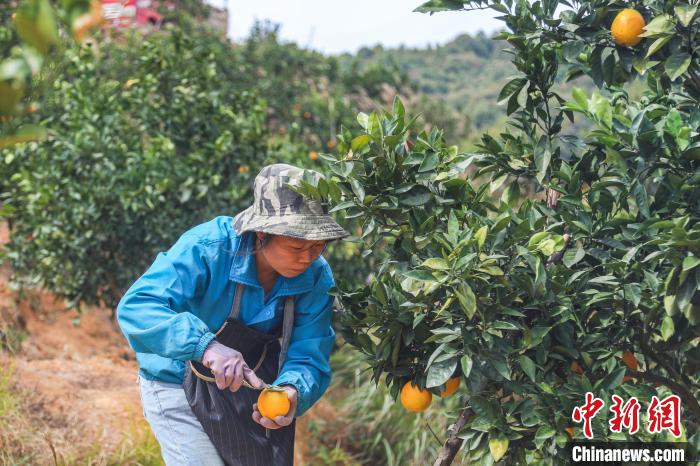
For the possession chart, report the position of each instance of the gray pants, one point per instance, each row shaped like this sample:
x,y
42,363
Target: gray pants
x,y
182,440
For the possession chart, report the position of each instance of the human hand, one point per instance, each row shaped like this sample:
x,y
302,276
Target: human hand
x,y
229,367
279,421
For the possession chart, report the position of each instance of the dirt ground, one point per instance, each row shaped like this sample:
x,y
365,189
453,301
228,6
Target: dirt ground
x,y
80,380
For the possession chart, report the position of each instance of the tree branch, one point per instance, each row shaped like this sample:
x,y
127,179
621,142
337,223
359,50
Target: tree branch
x,y
453,443
686,395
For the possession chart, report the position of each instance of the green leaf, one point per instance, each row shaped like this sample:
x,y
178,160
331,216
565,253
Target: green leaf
x,y
363,120
415,199
685,13
668,328
342,206
513,86
422,275
542,160
480,236
633,293
612,380
573,256
528,366
466,298
434,6
498,445
536,238
542,434
429,163
656,46
502,325
690,262
640,197
511,195
359,142
501,367
36,24
466,362
580,97
358,189
440,372
677,64
436,263
661,25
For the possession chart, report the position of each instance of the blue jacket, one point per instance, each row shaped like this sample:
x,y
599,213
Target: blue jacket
x,y
169,315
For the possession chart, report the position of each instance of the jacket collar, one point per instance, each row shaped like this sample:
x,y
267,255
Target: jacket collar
x,y
244,270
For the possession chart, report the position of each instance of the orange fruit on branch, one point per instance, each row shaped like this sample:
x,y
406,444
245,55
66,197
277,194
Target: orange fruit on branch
x,y
451,386
576,368
273,402
627,26
414,399
313,155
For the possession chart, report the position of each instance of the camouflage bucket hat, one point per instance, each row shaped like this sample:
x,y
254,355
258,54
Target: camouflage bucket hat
x,y
281,211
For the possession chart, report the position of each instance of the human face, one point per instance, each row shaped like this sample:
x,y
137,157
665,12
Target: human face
x,y
291,256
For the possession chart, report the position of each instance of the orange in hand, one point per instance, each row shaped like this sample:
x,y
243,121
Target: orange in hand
x,y
273,402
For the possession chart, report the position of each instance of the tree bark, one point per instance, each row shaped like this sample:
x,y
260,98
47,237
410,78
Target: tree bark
x,y
453,443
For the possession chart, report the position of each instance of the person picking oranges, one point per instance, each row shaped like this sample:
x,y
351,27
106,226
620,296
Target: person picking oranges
x,y
236,302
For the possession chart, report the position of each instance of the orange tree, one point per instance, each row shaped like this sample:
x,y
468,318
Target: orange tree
x,y
29,37
145,140
535,302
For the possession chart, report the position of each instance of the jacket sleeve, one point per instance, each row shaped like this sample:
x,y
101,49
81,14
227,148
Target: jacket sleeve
x,y
307,366
153,314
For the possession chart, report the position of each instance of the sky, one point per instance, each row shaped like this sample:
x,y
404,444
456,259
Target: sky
x,y
334,26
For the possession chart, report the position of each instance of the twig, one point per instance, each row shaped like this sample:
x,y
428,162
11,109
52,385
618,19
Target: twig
x,y
686,395
427,424
53,450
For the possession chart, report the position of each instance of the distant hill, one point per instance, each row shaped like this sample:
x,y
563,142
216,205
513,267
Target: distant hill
x,y
466,74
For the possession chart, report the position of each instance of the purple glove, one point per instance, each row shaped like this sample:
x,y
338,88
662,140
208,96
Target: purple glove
x,y
229,367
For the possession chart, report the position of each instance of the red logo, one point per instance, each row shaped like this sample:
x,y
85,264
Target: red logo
x,y
587,412
665,415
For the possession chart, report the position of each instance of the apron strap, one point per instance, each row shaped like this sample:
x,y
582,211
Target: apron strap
x,y
286,329
236,306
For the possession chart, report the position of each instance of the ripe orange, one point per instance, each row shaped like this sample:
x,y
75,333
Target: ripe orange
x,y
415,399
307,115
451,386
273,402
31,108
570,431
330,144
629,360
313,155
576,368
243,169
627,26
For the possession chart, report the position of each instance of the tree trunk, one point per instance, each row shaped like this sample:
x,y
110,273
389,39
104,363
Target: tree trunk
x,y
453,443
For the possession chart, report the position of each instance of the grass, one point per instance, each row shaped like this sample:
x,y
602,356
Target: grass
x,y
22,441
137,447
11,338
15,444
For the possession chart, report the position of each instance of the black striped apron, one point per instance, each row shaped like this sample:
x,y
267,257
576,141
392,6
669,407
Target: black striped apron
x,y
226,416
